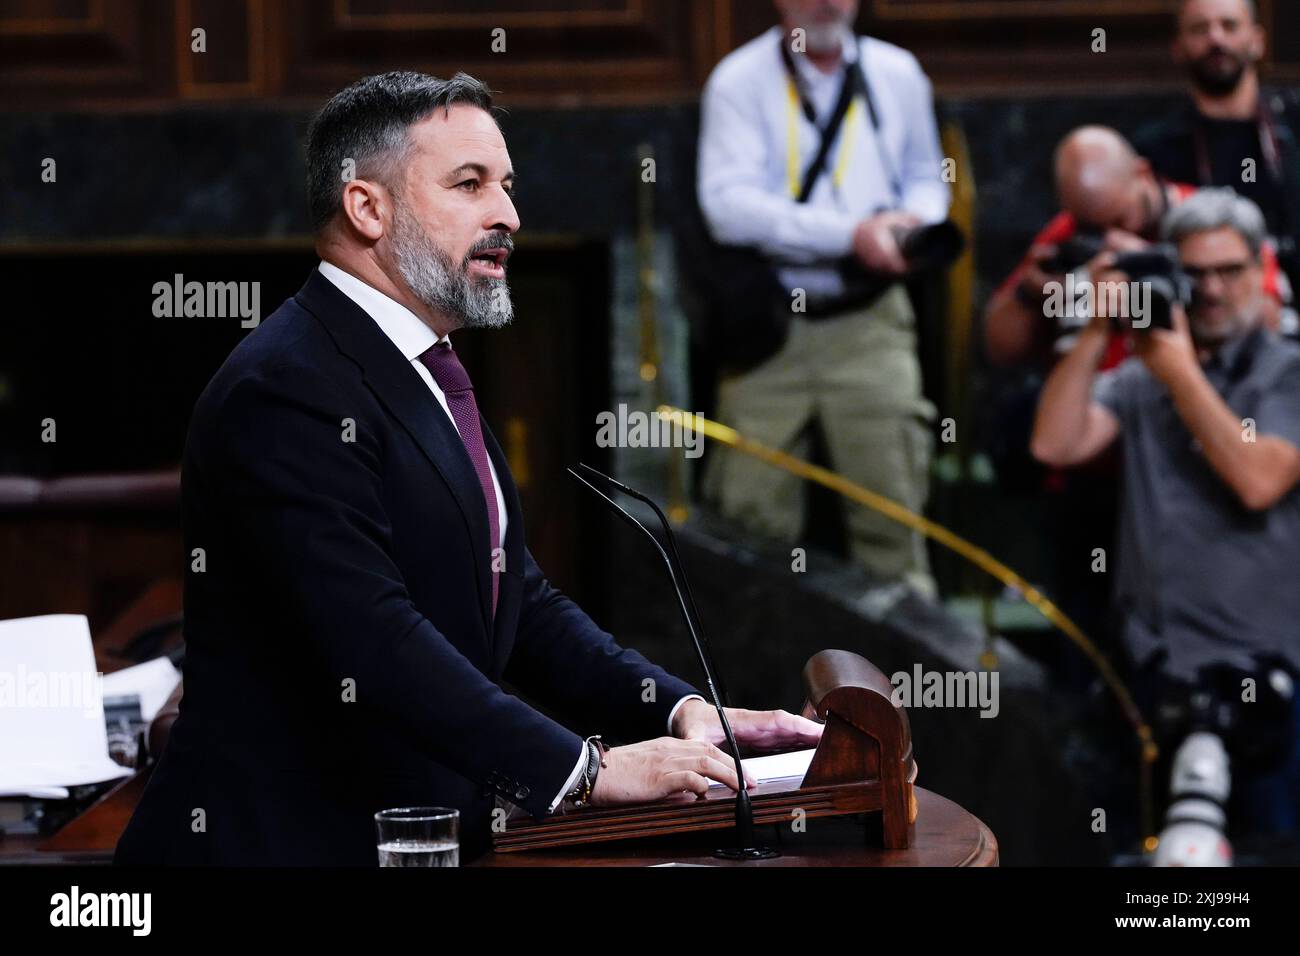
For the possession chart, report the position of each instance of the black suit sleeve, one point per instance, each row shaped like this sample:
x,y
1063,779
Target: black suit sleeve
x,y
561,657
307,507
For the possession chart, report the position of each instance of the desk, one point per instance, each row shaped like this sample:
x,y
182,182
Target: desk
x,y
946,835
24,851
86,839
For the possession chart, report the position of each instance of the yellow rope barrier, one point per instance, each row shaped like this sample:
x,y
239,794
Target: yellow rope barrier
x,y
976,555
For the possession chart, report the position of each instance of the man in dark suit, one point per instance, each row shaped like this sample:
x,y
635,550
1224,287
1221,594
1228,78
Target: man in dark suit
x,y
359,585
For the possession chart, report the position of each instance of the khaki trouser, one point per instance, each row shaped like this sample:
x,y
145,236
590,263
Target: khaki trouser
x,y
858,374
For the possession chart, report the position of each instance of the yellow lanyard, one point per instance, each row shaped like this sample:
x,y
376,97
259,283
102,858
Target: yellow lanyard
x,y
847,133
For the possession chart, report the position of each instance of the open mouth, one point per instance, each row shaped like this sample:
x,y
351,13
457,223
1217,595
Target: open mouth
x,y
490,262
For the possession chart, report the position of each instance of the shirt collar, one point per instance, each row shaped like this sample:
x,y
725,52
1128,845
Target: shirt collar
x,y
403,327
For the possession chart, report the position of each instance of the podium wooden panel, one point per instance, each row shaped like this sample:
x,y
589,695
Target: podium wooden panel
x,y
862,772
945,835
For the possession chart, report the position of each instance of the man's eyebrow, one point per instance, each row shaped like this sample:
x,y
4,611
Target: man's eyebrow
x,y
478,169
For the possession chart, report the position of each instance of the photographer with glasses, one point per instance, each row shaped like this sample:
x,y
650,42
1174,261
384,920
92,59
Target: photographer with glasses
x,y
1208,413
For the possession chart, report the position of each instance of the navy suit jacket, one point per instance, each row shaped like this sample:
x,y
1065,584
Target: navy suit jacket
x,y
340,652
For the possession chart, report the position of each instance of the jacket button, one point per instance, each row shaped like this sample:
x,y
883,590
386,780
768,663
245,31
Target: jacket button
x,y
522,793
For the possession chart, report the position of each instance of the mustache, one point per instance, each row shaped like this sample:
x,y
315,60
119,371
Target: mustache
x,y
1222,51
497,240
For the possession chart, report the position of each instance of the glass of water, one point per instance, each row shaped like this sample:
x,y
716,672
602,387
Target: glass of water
x,y
418,836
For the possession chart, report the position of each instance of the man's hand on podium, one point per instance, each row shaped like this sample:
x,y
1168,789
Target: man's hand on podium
x,y
653,769
755,729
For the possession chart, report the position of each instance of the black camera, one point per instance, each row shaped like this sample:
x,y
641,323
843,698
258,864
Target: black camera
x,y
1158,270
926,248
1074,253
1154,275
1259,734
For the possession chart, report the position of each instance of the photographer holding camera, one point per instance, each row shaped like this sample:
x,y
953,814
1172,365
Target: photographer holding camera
x,y
1108,195
1208,411
819,152
1111,201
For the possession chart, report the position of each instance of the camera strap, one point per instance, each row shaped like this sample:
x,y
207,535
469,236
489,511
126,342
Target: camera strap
x,y
1266,126
802,187
854,82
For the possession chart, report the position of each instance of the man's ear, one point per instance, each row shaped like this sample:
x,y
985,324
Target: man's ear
x,y
1258,43
365,205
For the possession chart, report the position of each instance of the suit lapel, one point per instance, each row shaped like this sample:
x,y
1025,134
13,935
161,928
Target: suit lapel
x,y
399,387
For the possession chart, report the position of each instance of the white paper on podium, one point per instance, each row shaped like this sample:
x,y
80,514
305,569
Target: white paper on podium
x,y
152,682
775,766
52,731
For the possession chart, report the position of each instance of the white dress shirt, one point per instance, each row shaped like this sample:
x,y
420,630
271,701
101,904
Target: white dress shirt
x,y
413,338
743,176
408,332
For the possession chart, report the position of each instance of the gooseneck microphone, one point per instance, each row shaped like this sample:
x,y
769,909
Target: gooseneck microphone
x,y
679,574
745,848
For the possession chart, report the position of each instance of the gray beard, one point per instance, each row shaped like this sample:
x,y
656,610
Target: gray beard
x,y
435,280
824,38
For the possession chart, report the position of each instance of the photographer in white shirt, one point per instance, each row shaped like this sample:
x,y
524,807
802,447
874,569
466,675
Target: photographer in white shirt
x,y
849,363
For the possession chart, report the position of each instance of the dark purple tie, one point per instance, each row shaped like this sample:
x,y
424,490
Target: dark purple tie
x,y
451,377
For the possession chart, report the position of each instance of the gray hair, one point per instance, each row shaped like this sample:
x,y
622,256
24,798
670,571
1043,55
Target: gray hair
x,y
367,123
1216,208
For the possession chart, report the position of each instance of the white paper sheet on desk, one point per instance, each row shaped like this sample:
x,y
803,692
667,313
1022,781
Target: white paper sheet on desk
x,y
153,682
51,707
775,766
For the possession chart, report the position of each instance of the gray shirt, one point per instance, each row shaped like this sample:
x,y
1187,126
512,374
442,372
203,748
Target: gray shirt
x,y
1198,574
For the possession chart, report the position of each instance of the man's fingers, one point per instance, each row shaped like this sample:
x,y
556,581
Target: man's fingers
x,y
889,256
1179,319
774,728
725,763
724,771
1121,240
680,780
799,727
707,766
895,260
701,748
717,754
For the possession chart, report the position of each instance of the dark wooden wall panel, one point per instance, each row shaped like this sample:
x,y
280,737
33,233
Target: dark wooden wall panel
x,y
1035,47
560,53
234,61
1030,46
65,51
119,54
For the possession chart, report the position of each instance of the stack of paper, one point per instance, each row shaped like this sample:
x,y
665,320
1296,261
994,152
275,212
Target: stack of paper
x,y
52,733
151,683
776,766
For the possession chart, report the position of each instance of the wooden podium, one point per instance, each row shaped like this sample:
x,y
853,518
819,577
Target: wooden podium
x,y
862,771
